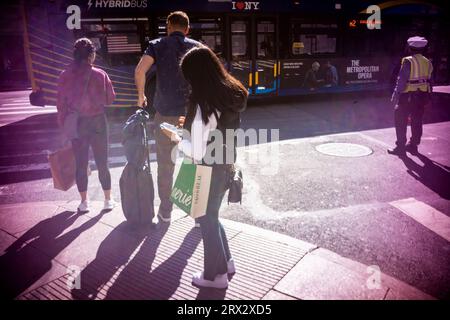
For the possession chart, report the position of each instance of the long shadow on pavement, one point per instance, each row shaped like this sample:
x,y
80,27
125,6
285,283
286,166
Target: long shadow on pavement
x,y
113,255
432,174
30,257
160,283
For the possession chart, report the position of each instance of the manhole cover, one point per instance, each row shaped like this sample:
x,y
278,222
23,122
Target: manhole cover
x,y
344,149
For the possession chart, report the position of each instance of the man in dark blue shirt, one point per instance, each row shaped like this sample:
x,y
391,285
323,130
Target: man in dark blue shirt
x,y
170,96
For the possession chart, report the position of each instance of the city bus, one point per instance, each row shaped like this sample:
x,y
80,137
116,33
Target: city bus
x,y
274,47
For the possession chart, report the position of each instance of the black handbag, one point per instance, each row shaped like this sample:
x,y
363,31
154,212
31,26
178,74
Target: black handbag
x,y
37,98
236,184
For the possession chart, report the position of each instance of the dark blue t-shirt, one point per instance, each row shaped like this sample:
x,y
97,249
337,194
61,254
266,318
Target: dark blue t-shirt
x,y
171,88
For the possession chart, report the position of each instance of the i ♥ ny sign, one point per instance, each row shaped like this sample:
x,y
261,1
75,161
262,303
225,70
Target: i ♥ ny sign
x,y
244,5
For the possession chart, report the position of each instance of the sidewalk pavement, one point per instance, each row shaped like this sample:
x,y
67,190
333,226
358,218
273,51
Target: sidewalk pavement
x,y
45,245
441,89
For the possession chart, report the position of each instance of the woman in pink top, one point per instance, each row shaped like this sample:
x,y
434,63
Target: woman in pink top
x,y
86,90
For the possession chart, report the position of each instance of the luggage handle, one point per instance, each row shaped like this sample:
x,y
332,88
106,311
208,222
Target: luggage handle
x,y
147,150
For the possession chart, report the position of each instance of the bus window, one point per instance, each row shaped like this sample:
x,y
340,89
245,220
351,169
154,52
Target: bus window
x,y
162,28
314,43
311,39
208,32
357,43
266,39
123,49
239,50
380,41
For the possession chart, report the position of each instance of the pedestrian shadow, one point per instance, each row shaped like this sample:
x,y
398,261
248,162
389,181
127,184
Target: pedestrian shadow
x,y
30,257
432,174
138,281
113,255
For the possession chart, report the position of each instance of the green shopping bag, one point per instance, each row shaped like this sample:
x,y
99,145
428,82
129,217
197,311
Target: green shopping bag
x,y
191,189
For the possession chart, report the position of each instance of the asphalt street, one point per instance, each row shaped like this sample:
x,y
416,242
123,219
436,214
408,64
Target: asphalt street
x,y
376,209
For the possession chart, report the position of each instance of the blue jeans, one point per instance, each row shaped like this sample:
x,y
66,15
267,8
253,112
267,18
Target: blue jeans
x,y
215,243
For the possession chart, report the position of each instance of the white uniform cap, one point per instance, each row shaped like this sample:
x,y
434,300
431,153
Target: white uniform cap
x,y
417,42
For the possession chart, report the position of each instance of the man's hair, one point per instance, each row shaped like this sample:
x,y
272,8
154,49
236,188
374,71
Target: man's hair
x,y
178,19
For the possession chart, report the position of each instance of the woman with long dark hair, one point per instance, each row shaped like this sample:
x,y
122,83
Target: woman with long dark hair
x,y
215,102
84,90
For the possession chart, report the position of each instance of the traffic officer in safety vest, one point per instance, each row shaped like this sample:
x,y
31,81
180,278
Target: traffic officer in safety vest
x,y
411,94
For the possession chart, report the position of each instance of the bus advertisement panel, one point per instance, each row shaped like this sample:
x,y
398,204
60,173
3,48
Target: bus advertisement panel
x,y
334,75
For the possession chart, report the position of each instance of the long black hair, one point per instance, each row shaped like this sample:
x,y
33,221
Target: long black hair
x,y
212,87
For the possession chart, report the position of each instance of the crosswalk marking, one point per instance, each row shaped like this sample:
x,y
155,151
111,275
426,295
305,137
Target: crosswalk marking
x,y
115,145
34,154
23,168
28,112
112,161
35,141
44,135
14,104
19,122
23,101
31,109
123,159
426,215
120,145
41,131
47,152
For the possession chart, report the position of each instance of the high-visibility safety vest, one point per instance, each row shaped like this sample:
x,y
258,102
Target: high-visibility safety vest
x,y
420,75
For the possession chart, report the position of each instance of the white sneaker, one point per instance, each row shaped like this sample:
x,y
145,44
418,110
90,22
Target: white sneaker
x,y
109,204
84,206
219,282
231,268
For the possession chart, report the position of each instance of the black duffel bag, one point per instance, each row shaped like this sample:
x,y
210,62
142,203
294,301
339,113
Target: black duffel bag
x,y
136,182
37,98
137,194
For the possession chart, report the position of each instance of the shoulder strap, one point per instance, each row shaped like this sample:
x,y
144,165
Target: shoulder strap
x,y
86,86
71,108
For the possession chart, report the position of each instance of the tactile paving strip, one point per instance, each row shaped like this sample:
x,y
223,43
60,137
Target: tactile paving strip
x,y
162,265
